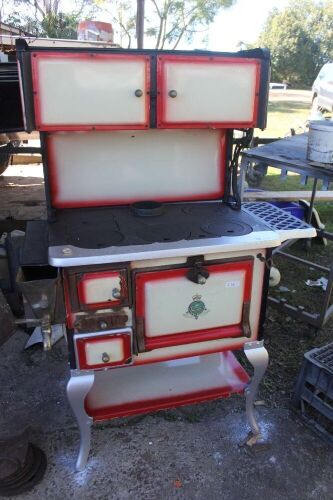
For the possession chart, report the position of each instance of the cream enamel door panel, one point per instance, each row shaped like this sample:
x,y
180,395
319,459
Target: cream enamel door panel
x,y
173,310
85,91
120,167
103,289
103,349
207,91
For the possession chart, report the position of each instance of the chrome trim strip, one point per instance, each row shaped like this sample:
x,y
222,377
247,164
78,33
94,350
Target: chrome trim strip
x,y
66,256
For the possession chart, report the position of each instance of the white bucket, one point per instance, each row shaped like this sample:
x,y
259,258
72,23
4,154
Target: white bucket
x,y
320,142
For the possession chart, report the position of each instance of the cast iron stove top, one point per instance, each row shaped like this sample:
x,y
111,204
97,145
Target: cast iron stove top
x,y
148,222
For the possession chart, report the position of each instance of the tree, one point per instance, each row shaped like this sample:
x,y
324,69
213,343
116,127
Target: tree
x,y
300,38
177,20
46,17
167,22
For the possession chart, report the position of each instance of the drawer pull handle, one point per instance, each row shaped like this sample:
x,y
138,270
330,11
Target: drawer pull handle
x,y
173,93
105,357
138,93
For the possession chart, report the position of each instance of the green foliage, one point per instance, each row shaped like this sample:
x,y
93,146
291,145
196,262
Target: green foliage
x,y
60,25
52,25
300,38
45,18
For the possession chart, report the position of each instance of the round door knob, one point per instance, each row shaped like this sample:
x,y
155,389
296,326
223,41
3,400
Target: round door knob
x,y
116,294
172,93
105,357
138,93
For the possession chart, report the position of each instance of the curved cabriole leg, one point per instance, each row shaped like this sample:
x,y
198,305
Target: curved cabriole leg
x,y
78,387
258,357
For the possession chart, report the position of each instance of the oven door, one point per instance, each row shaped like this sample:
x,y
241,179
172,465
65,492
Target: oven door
x,y
186,305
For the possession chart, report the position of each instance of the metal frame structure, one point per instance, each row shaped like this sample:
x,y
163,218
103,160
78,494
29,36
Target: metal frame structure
x,y
290,155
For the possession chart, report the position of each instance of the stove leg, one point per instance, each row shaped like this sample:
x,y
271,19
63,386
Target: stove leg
x,y
78,387
258,357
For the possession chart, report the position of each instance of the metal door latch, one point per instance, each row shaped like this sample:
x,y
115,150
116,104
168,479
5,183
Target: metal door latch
x,y
268,261
198,274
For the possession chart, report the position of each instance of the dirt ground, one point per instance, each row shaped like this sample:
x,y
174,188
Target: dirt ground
x,y
186,453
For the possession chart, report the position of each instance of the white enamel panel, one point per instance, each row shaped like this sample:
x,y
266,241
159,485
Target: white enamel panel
x,y
112,167
113,347
94,90
167,302
97,290
167,379
221,92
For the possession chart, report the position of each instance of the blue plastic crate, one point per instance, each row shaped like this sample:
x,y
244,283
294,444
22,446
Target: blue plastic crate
x,y
292,207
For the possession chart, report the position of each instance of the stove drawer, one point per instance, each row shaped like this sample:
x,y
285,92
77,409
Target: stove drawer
x,y
102,289
102,350
171,309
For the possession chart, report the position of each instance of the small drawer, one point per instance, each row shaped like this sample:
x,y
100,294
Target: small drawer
x,y
103,289
102,350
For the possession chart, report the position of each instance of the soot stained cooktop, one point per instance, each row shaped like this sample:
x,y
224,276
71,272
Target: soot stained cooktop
x,y
148,222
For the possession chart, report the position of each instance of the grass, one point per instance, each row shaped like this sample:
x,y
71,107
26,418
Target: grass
x,y
284,115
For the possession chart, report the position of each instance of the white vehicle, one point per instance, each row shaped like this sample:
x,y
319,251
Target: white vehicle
x,y
322,89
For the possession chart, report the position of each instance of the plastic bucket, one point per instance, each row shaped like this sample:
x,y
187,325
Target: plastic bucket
x,y
320,142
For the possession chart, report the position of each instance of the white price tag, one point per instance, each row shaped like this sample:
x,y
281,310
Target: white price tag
x,y
232,284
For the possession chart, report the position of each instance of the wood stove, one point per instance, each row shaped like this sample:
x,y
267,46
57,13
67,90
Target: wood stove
x,y
163,273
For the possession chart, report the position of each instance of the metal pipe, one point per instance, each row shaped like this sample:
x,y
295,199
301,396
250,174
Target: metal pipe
x,y
140,18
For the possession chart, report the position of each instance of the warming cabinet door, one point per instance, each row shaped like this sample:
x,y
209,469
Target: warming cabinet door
x,y
85,91
172,309
207,91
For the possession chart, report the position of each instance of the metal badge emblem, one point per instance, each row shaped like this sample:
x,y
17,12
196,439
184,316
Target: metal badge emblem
x,y
196,308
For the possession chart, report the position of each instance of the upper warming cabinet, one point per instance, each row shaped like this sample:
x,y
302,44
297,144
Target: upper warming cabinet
x,y
119,89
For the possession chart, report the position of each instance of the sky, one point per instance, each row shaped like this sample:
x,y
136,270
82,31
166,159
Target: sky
x,y
241,22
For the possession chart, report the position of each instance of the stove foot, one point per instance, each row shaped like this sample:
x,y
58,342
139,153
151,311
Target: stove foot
x,y
258,357
78,387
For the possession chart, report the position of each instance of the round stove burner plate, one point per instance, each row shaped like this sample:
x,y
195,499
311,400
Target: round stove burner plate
x,y
228,227
89,239
162,233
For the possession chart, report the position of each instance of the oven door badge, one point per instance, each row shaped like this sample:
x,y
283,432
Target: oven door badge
x,y
196,308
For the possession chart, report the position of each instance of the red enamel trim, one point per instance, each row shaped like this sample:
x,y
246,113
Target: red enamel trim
x,y
137,360
81,350
40,125
147,406
57,203
162,94
81,288
192,337
174,339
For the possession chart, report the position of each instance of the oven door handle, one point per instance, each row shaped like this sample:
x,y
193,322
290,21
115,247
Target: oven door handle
x,y
198,275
